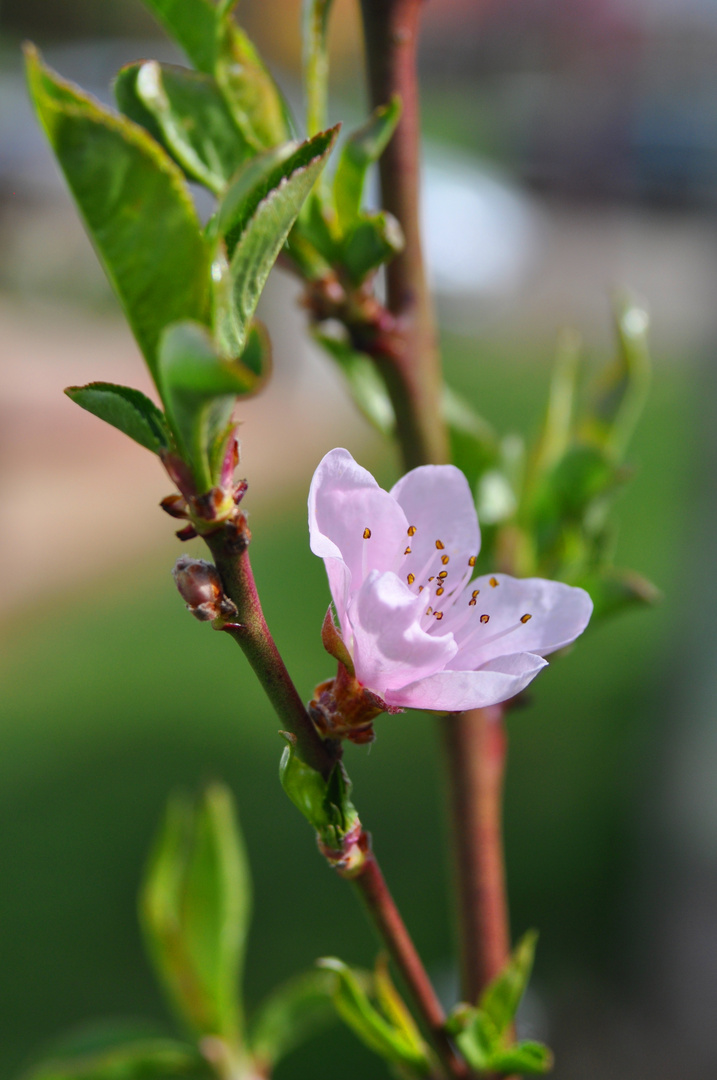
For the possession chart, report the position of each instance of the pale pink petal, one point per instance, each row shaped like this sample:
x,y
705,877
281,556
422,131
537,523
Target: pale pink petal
x,y
558,614
389,646
353,519
438,504
454,691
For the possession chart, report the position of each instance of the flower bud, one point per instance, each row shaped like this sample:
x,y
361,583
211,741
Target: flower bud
x,y
200,587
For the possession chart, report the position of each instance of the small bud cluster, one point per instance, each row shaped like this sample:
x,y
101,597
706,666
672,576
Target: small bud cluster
x,y
200,587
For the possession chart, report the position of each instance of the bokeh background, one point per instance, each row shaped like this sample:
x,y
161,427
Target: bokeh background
x,y
571,150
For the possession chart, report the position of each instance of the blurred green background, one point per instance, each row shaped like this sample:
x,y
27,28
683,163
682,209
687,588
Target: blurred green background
x,y
112,696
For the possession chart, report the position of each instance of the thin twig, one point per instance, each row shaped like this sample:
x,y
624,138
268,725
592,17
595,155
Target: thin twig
x,y
387,920
230,549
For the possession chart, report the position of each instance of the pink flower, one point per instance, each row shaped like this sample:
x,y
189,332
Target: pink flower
x,y
421,634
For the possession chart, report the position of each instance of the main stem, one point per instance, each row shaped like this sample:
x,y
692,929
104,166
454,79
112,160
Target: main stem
x,y
475,741
388,922
250,630
475,745
413,377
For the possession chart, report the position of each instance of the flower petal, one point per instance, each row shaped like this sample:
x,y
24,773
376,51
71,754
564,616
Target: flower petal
x,y
438,503
455,691
558,614
351,518
389,646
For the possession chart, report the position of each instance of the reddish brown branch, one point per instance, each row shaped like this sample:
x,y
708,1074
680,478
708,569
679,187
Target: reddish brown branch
x,y
475,747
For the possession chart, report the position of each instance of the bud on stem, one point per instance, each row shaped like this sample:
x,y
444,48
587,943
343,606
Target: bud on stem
x,y
201,588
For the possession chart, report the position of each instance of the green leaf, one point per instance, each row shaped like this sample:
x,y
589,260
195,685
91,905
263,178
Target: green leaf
x,y
360,151
478,1040
326,804
254,100
127,409
292,1014
193,25
355,1007
185,112
531,1058
135,205
621,391
559,418
195,907
255,217
501,998
315,24
147,1059
373,241
200,388
366,385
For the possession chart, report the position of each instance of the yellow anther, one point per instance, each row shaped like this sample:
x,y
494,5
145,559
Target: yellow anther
x,y
367,533
407,551
472,560
473,602
443,574
440,545
440,592
445,559
411,530
421,588
411,578
433,578
493,582
439,615
475,593
429,611
484,619
525,618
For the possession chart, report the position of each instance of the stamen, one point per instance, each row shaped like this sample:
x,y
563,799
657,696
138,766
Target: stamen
x,y
485,619
440,592
439,615
411,530
476,592
432,578
473,602
443,574
440,545
421,588
407,551
429,611
410,579
472,560
367,533
525,618
445,559
493,583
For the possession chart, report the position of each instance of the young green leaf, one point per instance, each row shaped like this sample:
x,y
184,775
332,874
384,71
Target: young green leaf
x,y
195,905
501,998
185,112
292,1014
326,804
366,385
371,242
193,25
255,217
126,409
360,151
253,98
148,1059
315,24
526,1058
199,389
135,205
378,1033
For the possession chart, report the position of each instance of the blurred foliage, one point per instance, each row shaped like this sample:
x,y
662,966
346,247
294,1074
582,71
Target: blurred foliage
x,y
99,723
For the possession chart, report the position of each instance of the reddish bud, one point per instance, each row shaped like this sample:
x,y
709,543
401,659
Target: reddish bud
x,y
200,587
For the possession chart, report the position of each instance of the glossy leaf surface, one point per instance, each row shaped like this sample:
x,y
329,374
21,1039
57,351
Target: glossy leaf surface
x,y
129,410
135,205
360,151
